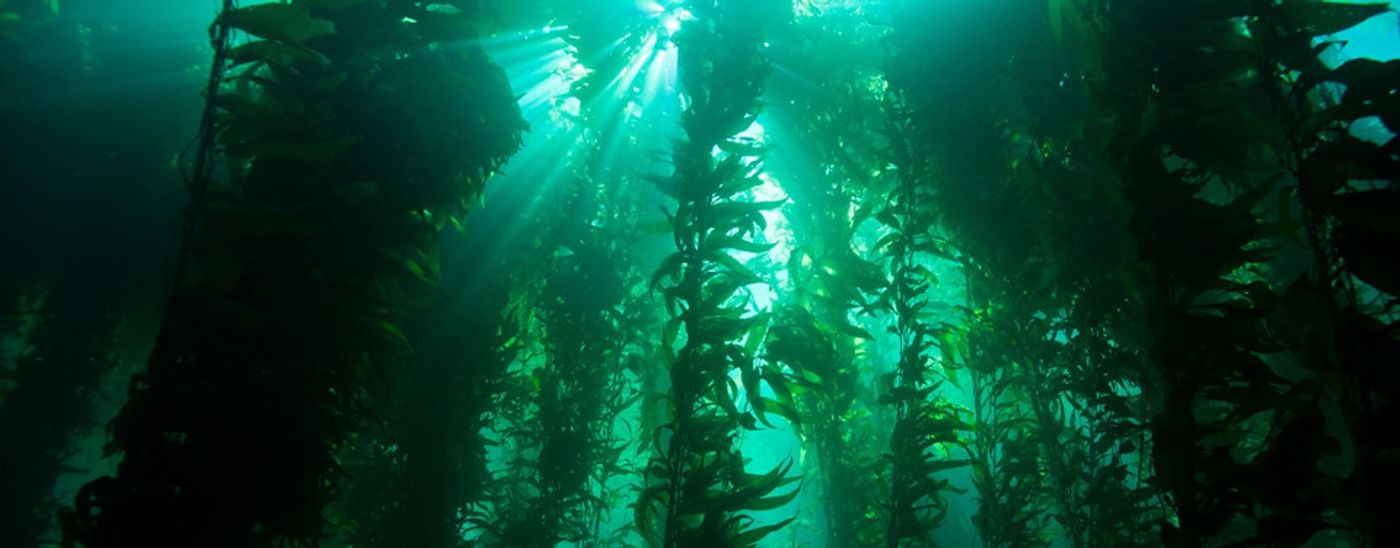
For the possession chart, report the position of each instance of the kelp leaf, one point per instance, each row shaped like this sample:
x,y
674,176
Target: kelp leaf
x,y
734,267
1374,209
290,23
772,503
668,335
742,147
740,244
274,51
854,331
1320,18
781,409
332,4
643,508
751,537
669,269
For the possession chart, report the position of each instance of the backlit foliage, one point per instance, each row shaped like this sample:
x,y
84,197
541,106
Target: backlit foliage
x,y
721,273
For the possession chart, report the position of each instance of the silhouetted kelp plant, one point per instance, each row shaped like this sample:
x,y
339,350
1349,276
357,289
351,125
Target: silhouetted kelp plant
x,y
699,273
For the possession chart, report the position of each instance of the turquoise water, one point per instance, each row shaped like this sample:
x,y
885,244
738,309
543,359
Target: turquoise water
x,y
481,273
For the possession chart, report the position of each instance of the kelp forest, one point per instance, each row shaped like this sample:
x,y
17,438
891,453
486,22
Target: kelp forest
x,y
699,273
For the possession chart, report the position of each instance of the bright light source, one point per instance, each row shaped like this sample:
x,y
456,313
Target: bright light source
x,y
672,19
653,8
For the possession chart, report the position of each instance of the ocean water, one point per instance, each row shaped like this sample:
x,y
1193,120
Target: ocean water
x,y
697,273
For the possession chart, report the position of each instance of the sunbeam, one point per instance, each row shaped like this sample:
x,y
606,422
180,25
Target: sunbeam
x,y
694,273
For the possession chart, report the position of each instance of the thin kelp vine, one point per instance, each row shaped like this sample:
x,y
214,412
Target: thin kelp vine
x,y
572,396
926,440
629,351
1056,434
416,473
54,365
698,490
958,167
562,486
819,337
319,218
927,426
1056,430
762,273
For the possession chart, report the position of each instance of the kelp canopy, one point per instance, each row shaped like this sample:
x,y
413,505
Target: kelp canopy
x,y
699,273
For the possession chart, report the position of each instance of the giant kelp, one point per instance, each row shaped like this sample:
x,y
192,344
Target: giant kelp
x,y
927,434
1019,273
698,489
294,256
415,474
1339,316
818,336
1044,311
578,277
1212,311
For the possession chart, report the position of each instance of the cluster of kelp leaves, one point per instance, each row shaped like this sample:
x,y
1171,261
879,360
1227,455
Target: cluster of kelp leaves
x,y
1105,273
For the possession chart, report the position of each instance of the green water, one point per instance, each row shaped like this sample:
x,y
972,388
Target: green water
x,y
698,273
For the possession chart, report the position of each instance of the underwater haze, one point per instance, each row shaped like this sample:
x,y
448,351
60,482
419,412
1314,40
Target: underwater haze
x,y
699,273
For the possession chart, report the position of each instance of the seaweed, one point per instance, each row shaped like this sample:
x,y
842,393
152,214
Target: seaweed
x,y
1214,316
308,218
697,478
912,273
821,336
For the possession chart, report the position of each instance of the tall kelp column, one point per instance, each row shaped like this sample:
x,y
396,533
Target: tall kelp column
x,y
337,142
1042,243
697,490
928,427
820,332
966,75
414,471
1266,332
584,287
1343,310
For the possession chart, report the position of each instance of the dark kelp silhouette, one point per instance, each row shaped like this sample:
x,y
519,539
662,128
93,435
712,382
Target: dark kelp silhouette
x,y
318,191
1057,272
